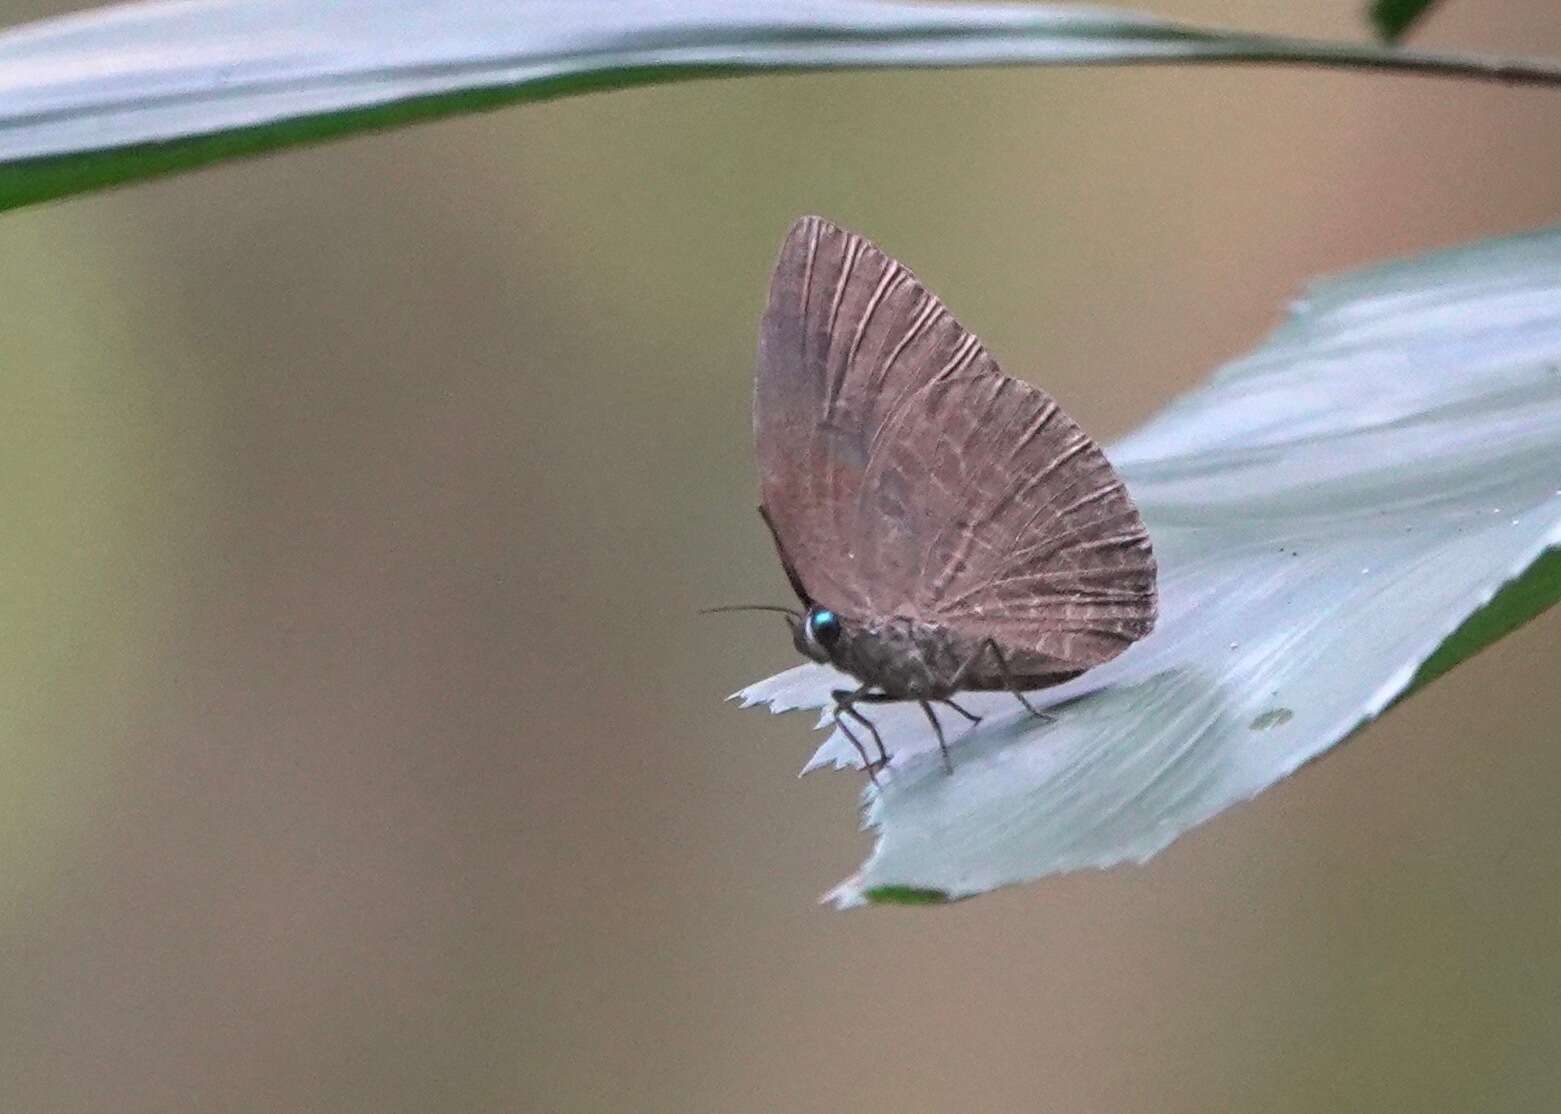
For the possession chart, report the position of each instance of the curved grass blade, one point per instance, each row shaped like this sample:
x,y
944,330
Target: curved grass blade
x,y
131,91
1340,517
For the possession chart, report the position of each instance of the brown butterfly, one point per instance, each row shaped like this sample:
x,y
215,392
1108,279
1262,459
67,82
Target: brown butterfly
x,y
947,528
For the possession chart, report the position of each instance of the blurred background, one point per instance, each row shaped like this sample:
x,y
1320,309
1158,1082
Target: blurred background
x,y
362,747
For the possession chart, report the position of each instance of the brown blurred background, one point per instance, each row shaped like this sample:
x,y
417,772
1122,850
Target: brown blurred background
x,y
363,751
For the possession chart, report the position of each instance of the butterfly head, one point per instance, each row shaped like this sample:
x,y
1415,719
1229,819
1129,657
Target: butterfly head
x,y
815,633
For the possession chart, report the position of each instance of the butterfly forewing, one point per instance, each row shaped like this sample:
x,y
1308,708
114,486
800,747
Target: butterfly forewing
x,y
904,474
847,336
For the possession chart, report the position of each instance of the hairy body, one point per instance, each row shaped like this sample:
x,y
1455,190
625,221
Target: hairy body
x,y
910,659
902,658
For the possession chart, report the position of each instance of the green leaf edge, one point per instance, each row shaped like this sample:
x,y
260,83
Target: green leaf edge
x,y
30,181
1524,597
1392,18
906,895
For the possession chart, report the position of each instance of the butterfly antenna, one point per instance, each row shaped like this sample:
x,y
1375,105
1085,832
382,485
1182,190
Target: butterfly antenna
x,y
792,611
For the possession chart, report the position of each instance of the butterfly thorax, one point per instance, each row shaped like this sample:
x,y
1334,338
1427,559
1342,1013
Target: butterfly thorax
x,y
905,658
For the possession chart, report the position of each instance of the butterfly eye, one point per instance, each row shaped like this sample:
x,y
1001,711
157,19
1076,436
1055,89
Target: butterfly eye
x,y
824,626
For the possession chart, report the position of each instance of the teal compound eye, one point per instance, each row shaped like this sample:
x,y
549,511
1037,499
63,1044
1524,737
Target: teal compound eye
x,y
824,626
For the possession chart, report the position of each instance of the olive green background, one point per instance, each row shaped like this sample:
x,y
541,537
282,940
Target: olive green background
x,y
361,748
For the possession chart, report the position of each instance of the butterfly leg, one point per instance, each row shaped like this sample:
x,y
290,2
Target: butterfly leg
x,y
867,763
943,747
971,716
883,755
1010,685
845,701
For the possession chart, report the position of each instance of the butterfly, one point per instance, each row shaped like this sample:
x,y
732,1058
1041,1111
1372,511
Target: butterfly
x,y
946,528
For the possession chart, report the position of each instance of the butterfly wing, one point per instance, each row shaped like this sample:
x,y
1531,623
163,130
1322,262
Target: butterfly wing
x,y
903,473
1023,532
848,336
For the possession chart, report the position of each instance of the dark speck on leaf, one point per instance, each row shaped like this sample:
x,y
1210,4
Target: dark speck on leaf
x,y
1274,717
